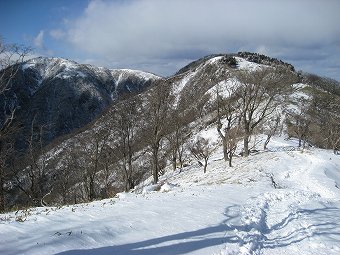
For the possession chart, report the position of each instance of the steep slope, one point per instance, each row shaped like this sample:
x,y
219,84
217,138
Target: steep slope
x,y
61,95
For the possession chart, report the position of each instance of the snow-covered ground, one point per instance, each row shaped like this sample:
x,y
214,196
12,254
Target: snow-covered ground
x,y
282,201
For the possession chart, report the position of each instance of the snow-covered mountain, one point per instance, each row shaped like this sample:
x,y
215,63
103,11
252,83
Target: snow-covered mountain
x,y
118,80
193,81
62,95
279,200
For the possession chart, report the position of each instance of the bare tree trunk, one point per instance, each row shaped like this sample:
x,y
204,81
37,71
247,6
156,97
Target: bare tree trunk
x,y
180,158
91,193
2,196
304,144
174,166
266,142
224,142
300,142
225,149
155,166
205,165
230,159
246,145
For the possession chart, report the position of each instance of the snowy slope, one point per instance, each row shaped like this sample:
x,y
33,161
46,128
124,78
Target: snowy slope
x,y
225,211
51,68
206,75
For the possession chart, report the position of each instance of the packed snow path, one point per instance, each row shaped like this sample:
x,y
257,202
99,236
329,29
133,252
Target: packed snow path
x,y
225,211
301,216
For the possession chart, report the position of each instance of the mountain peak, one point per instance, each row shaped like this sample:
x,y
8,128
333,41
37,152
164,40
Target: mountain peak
x,y
255,58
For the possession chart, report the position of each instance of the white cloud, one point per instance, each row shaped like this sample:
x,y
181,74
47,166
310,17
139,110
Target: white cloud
x,y
38,41
57,34
136,31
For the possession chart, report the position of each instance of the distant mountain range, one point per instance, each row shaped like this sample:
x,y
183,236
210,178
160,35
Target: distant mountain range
x,y
61,95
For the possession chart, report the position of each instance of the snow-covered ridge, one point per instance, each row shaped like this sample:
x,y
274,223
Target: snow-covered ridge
x,y
141,74
187,77
201,71
42,69
64,68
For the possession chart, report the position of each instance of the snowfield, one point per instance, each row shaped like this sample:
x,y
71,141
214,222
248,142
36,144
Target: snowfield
x,y
280,201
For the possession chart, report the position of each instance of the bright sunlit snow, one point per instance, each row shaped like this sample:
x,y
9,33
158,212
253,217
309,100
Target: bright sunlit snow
x,y
282,201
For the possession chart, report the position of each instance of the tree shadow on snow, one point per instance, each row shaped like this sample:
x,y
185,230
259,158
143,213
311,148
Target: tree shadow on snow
x,y
297,226
323,221
180,243
319,222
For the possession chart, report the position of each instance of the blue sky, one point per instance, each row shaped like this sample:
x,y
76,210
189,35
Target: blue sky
x,y
23,21
162,36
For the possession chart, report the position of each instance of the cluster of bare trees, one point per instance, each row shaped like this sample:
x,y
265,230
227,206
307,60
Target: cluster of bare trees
x,y
138,135
201,149
105,154
252,99
159,103
317,120
10,56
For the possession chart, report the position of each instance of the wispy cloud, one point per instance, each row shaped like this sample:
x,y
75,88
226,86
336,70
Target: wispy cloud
x,y
38,41
57,34
40,47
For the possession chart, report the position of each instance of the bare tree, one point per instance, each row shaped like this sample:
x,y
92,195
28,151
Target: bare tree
x,y
10,58
37,167
234,136
260,92
228,112
202,150
159,103
178,136
106,179
67,175
271,128
11,55
126,124
7,149
299,122
30,172
326,118
92,143
333,137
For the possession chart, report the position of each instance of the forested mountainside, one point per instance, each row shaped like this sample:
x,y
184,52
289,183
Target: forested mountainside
x,y
239,95
59,95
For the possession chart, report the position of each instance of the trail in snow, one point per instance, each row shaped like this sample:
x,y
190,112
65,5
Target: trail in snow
x,y
225,211
299,217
